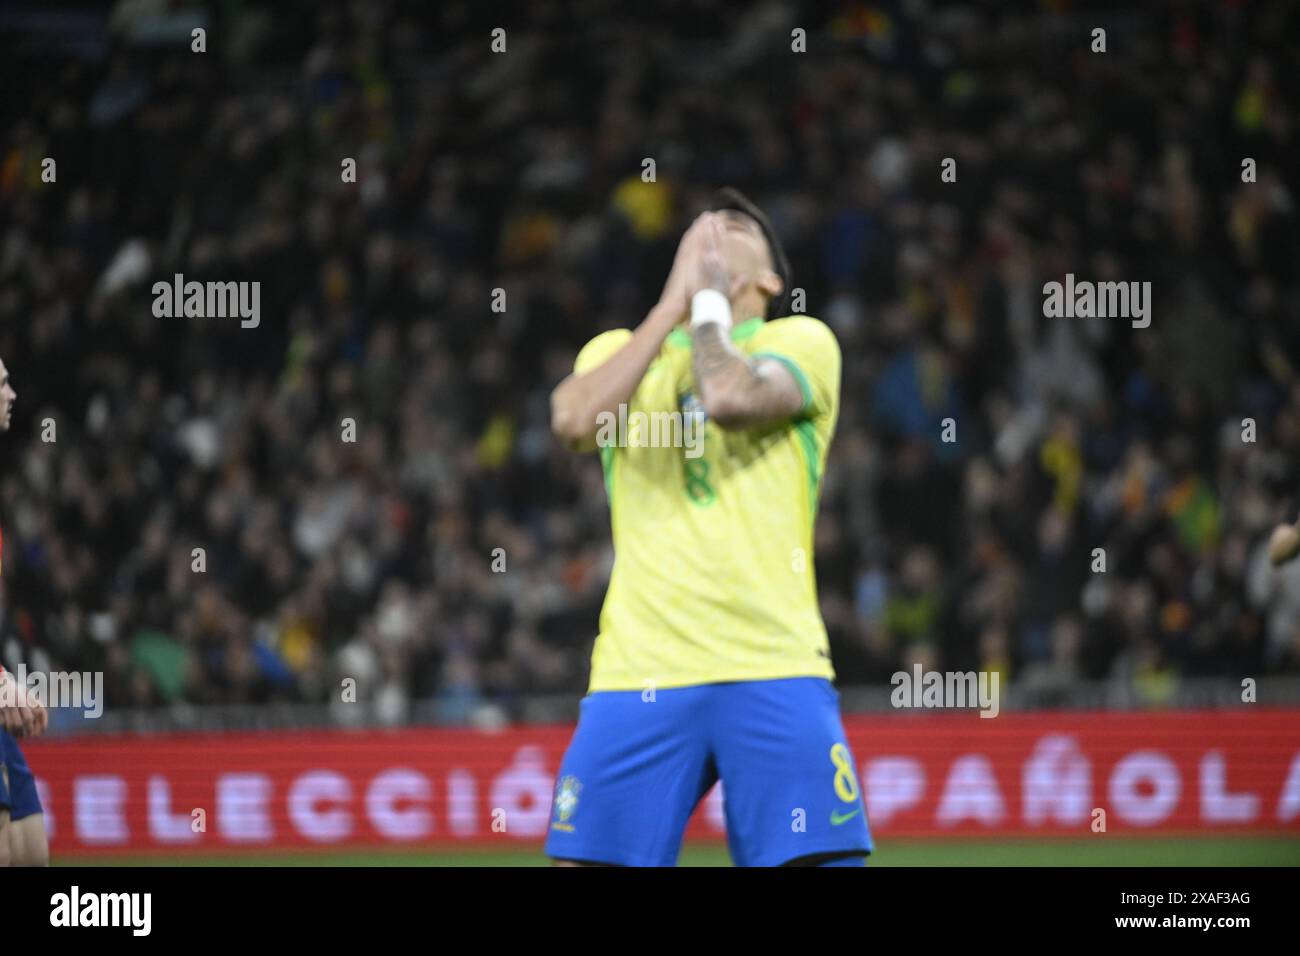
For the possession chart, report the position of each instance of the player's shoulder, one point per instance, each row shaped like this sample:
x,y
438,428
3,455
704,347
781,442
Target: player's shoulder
x,y
805,331
609,335
600,348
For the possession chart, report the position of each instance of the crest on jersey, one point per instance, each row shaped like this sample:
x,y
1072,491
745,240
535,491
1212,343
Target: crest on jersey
x,y
566,799
692,408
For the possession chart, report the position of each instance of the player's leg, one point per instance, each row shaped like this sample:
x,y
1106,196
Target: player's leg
x,y
634,772
789,780
5,800
28,844
4,837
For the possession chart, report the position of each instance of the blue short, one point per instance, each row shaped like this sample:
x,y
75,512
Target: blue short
x,y
637,768
17,794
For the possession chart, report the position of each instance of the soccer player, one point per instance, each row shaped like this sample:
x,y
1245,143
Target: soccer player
x,y
23,841
712,660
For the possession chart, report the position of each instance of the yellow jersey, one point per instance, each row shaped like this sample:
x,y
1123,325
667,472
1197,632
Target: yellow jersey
x,y
713,544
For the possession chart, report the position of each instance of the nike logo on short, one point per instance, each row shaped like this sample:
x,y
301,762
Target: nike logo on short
x,y
838,818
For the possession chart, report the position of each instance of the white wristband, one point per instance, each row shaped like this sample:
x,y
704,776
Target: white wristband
x,y
710,305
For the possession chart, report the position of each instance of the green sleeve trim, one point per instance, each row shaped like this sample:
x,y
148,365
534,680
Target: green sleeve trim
x,y
807,433
607,466
798,374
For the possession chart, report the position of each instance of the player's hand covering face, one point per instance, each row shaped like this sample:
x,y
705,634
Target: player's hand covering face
x,y
736,249
738,259
678,289
712,271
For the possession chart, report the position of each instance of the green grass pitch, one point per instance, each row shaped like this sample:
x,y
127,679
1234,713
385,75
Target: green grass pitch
x,y
1102,851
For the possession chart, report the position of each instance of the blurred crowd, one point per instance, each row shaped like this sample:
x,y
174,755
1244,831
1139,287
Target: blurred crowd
x,y
453,555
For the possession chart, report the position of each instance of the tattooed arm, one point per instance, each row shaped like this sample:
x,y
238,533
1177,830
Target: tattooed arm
x,y
580,399
739,391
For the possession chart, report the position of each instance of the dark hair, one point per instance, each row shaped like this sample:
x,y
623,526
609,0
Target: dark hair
x,y
733,199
